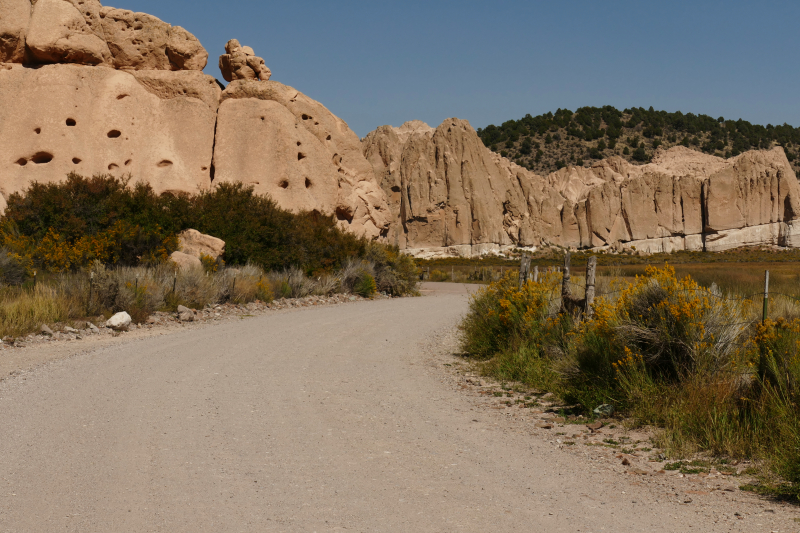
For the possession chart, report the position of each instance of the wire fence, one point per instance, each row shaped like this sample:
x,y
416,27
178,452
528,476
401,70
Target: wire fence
x,y
567,285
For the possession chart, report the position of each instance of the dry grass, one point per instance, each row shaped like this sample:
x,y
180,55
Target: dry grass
x,y
142,290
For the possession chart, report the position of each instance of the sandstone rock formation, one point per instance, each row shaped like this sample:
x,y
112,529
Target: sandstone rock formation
x,y
153,120
198,244
15,17
143,42
98,120
86,33
241,63
291,147
67,31
103,90
193,246
453,196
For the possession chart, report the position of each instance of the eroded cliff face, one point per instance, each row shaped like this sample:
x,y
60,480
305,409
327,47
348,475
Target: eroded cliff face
x,y
100,90
454,196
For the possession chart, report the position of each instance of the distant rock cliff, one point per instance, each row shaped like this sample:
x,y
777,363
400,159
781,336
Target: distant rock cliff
x,y
454,196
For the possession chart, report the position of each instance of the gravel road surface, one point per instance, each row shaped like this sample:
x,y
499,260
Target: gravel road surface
x,y
319,419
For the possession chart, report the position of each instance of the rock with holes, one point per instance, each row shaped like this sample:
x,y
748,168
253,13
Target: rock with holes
x,y
241,63
14,20
71,118
140,41
291,147
67,31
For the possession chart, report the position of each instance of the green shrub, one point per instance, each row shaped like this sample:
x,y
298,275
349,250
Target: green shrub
x,y
365,285
68,226
13,269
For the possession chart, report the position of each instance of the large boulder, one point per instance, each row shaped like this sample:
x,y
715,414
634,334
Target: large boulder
x,y
92,120
198,244
195,245
140,41
15,18
67,31
241,63
119,322
291,147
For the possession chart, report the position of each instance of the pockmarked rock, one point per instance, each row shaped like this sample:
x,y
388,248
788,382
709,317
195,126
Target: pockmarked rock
x,y
67,31
140,41
90,120
287,145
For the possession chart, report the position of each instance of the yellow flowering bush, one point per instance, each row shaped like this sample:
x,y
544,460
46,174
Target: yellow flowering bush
x,y
55,253
503,315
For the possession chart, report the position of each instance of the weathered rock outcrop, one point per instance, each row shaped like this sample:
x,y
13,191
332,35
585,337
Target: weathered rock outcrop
x,y
103,90
453,196
153,120
15,16
86,33
241,63
291,147
73,118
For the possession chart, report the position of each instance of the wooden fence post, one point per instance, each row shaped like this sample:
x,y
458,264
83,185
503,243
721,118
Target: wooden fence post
x,y
591,271
566,293
89,302
766,295
525,265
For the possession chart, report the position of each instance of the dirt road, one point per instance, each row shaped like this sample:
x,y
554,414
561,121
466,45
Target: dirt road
x,y
322,419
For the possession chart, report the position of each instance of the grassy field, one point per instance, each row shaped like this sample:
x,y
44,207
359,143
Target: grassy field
x,y
739,271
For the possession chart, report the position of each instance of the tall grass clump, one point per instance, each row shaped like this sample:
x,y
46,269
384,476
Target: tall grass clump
x,y
23,311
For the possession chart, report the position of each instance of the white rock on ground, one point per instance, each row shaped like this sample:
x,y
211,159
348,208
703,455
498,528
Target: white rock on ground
x,y
119,322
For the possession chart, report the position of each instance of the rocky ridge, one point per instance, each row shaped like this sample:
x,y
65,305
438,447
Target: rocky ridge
x,y
104,90
453,196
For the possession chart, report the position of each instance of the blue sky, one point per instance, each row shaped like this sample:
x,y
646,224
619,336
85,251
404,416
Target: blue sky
x,y
374,63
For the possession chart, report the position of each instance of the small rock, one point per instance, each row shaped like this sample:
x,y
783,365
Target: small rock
x,y
604,410
119,322
46,330
93,328
544,426
68,329
625,462
594,426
